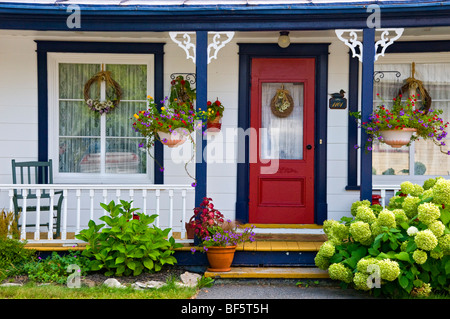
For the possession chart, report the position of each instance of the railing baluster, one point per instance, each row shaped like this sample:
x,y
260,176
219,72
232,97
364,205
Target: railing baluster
x,y
105,195
183,221
170,212
144,199
23,234
78,228
91,213
383,197
50,214
37,231
131,194
117,196
157,194
64,217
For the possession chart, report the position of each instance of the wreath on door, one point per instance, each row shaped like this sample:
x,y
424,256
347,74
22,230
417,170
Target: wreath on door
x,y
112,101
282,103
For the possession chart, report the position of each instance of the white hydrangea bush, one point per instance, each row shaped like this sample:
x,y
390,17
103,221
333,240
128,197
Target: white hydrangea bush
x,y
403,249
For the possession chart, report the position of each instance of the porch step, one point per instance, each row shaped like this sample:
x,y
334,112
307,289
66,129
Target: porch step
x,y
270,273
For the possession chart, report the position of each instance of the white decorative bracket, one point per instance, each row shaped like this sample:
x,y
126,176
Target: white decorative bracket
x,y
350,38
213,48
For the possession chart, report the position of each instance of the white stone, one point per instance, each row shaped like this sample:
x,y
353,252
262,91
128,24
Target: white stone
x,y
147,285
113,283
190,279
11,284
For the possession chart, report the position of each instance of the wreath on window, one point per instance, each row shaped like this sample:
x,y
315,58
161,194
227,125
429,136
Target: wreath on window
x,y
111,102
282,103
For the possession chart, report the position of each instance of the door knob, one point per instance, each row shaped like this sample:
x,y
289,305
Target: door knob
x,y
309,146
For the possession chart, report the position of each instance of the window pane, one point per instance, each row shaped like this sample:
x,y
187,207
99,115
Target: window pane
x,y
132,79
282,137
118,122
76,119
79,155
123,155
73,76
390,161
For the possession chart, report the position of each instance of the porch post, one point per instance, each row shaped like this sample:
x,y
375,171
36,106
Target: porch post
x,y
202,97
368,60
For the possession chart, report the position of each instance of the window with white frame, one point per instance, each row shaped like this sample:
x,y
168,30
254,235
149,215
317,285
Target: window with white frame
x,y
423,159
84,144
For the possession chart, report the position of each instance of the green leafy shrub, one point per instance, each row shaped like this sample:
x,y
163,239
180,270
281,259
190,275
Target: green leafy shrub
x,y
13,255
406,246
127,246
55,267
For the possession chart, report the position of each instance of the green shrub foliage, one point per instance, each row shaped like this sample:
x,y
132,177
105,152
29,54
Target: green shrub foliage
x,y
127,246
403,249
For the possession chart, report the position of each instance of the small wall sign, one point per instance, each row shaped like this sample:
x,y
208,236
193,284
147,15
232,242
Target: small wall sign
x,y
338,101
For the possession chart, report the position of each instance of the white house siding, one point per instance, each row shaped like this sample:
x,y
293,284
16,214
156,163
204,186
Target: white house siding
x,y
18,107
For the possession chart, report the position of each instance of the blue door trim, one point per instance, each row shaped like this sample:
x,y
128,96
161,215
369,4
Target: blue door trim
x,y
247,52
43,47
353,95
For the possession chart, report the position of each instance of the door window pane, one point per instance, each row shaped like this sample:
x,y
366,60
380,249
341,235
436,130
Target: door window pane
x,y
281,137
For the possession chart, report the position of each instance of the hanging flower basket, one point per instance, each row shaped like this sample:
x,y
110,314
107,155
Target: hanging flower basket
x,y
397,138
220,258
215,124
173,139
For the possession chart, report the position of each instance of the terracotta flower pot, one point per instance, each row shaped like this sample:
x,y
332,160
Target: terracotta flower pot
x,y
397,138
220,258
214,125
173,139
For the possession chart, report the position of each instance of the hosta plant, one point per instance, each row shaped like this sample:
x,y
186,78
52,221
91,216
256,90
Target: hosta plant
x,y
127,246
403,249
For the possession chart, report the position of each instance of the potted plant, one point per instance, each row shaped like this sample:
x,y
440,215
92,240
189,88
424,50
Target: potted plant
x,y
219,237
215,114
402,123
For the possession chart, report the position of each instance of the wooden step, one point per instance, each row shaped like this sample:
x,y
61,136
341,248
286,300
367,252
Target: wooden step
x,y
270,273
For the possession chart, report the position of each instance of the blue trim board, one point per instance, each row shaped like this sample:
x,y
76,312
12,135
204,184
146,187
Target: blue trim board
x,y
247,52
397,47
43,47
367,109
314,16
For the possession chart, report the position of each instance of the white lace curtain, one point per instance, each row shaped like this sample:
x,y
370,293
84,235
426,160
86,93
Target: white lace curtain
x,y
282,138
85,140
423,158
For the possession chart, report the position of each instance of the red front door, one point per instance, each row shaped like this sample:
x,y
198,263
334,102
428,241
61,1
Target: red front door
x,y
282,141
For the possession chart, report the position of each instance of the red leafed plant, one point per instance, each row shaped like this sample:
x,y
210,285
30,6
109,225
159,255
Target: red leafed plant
x,y
206,216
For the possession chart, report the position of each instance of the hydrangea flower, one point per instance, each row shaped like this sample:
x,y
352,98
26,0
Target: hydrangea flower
x,y
363,263
427,194
410,204
340,272
360,232
400,216
426,240
441,191
423,291
365,214
356,204
444,244
393,203
360,281
335,231
428,213
407,188
420,256
436,254
418,190
321,261
412,231
386,218
327,249
389,269
437,227
429,183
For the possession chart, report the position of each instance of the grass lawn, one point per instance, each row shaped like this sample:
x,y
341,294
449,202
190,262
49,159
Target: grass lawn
x,y
35,291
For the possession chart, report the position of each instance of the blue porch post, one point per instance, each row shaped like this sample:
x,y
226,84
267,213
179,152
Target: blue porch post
x,y
368,60
202,96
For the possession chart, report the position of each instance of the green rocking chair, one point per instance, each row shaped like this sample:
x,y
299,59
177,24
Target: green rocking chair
x,y
35,172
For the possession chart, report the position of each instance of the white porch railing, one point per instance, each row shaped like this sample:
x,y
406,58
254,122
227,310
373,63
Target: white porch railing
x,y
81,203
386,192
